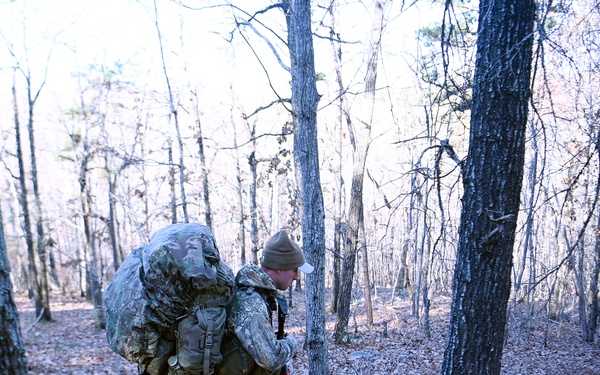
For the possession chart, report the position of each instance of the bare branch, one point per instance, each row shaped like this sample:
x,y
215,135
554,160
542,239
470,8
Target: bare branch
x,y
266,106
281,63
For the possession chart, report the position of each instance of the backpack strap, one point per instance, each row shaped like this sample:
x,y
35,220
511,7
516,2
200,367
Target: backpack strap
x,y
233,352
208,344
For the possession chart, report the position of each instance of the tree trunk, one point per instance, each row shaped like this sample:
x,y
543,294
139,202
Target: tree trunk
x,y
144,196
304,109
239,190
253,207
414,211
588,300
338,193
594,314
361,148
529,233
203,169
35,288
335,290
52,263
366,278
174,116
594,302
403,279
422,288
172,183
296,194
12,351
112,221
92,274
41,243
492,180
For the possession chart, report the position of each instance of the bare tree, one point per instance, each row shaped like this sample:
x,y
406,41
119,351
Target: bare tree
x,y
252,162
492,179
241,239
94,282
343,114
203,166
112,177
42,306
22,66
304,111
172,183
173,115
528,241
40,240
112,220
360,145
90,116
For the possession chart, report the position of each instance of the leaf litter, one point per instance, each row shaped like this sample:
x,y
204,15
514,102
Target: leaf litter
x,y
394,344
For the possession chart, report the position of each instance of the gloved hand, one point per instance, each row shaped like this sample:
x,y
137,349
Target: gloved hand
x,y
295,343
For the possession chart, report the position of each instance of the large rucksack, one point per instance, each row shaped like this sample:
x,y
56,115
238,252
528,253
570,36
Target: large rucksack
x,y
166,304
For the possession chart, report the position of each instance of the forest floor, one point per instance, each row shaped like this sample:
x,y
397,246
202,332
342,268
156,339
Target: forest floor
x,y
395,344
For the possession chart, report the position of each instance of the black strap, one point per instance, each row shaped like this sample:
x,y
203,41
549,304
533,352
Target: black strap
x,y
282,313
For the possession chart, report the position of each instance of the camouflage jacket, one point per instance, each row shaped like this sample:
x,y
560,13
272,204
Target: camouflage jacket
x,y
250,320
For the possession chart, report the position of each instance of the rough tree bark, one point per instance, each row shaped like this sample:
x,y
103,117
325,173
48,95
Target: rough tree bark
x,y
492,179
304,109
12,350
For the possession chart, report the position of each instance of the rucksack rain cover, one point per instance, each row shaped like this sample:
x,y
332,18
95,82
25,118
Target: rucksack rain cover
x,y
159,284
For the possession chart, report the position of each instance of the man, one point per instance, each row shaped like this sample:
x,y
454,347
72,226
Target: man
x,y
251,347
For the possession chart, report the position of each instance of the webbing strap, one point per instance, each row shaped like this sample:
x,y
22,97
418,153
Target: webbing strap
x,y
208,343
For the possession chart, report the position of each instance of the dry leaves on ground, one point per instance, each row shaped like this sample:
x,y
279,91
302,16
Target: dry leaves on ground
x,y
395,344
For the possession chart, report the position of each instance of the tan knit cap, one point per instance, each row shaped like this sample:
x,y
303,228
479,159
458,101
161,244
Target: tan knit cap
x,y
282,253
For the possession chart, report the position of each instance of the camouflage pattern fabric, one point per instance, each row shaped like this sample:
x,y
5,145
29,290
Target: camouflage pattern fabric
x,y
249,321
178,272
126,328
199,336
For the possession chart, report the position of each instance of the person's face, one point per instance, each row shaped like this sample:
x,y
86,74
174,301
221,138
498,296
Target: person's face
x,y
285,278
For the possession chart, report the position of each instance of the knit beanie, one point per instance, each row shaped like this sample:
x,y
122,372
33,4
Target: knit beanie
x,y
282,253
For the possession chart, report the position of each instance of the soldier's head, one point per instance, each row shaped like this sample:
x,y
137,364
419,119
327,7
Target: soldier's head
x,y
282,258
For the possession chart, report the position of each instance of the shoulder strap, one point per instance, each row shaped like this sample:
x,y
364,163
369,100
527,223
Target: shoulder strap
x,y
282,313
208,344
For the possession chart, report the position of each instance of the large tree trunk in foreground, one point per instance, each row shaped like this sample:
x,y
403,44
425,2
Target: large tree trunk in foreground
x,y
12,350
492,180
304,107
